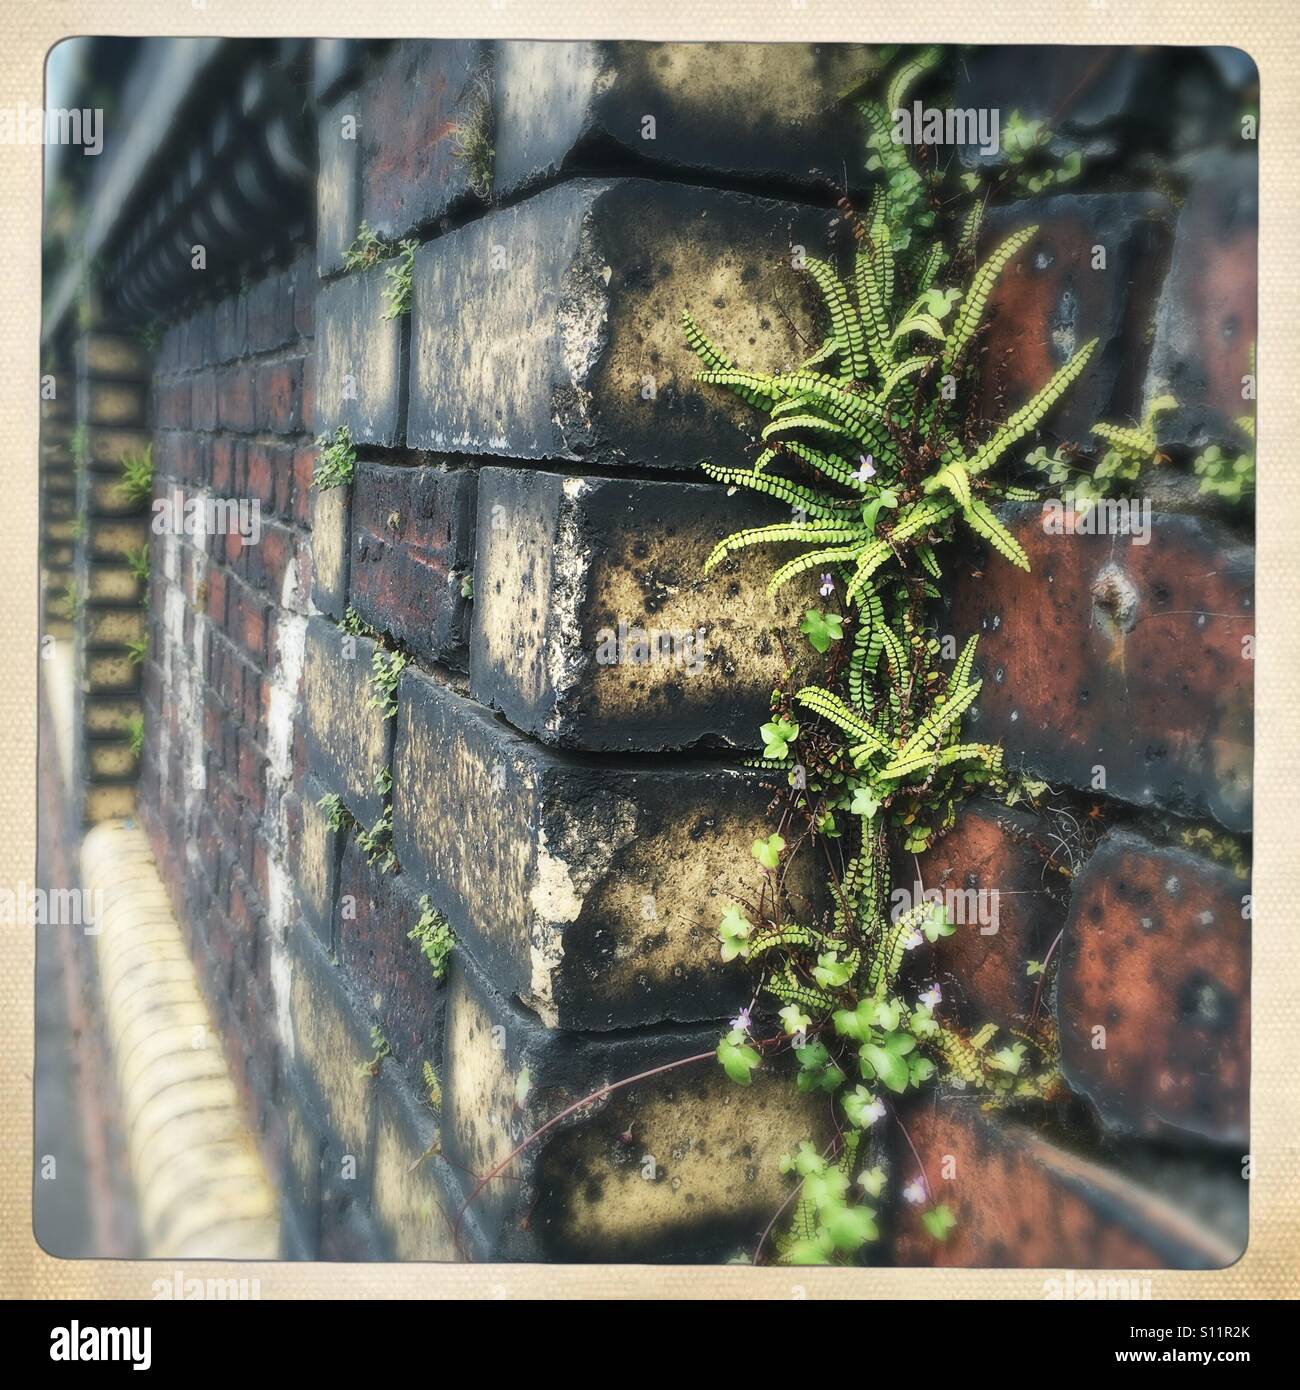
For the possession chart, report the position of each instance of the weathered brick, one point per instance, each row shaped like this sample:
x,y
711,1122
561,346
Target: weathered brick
x,y
107,446
1090,96
236,406
374,912
270,312
361,366
112,355
113,540
204,412
107,802
115,403
278,392
1206,322
106,498
110,762
109,717
1130,658
111,673
412,546
330,548
1007,899
317,864
348,741
1025,1203
415,111
113,627
230,328
331,1042
1157,954
683,1166
570,573
562,106
592,892
539,331
337,185
112,584
1051,299
410,1200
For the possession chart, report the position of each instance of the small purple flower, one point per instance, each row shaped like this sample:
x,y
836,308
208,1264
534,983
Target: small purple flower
x,y
873,1112
932,997
866,468
741,1022
828,586
913,941
914,1192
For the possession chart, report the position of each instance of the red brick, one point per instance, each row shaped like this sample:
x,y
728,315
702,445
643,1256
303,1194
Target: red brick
x,y
279,391
411,528
1050,300
203,400
1157,953
382,965
235,398
1021,1202
172,404
304,463
223,467
1129,657
1002,854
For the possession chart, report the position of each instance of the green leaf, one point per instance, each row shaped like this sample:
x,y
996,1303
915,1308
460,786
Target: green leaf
x,y
777,736
850,1228
857,1103
830,972
872,1181
737,1057
939,1221
1009,1059
880,1064
936,923
733,931
821,629
768,852
794,1020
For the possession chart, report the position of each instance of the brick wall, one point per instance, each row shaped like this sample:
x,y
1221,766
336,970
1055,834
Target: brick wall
x,y
526,487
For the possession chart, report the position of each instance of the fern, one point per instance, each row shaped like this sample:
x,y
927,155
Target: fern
x,y
881,467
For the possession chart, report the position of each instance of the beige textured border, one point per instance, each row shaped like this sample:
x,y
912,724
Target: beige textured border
x,y
1268,31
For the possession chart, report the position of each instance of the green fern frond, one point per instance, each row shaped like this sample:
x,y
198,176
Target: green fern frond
x,y
932,728
982,521
753,388
910,73
1135,444
846,326
961,672
1034,409
828,351
867,644
782,531
829,706
977,297
919,323
714,359
899,374
870,560
955,479
818,504
832,465
810,559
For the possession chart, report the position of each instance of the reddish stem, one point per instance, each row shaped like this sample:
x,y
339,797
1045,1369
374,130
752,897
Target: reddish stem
x,y
599,1094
